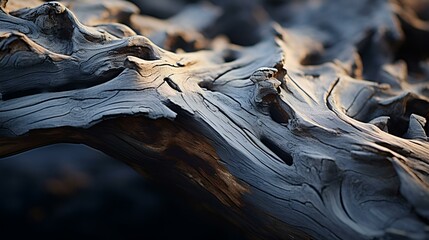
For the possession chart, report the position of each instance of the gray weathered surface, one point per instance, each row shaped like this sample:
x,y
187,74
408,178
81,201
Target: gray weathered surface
x,y
284,138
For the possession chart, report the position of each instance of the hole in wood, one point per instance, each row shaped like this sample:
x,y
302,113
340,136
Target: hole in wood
x,y
397,125
172,84
284,156
417,106
278,114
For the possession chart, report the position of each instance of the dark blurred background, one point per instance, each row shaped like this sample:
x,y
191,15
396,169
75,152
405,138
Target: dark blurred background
x,y
68,191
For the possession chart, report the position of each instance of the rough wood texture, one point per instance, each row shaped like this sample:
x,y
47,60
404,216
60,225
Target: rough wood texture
x,y
284,138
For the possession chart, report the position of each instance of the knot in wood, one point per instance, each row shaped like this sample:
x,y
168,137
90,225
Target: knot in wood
x,y
51,8
266,85
53,18
263,74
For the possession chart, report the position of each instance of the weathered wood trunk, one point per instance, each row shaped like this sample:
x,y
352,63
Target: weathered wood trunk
x,y
284,138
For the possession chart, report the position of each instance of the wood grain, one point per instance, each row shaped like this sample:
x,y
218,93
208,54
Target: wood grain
x,y
318,131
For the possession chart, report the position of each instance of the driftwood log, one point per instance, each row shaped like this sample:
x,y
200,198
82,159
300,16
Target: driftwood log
x,y
286,138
